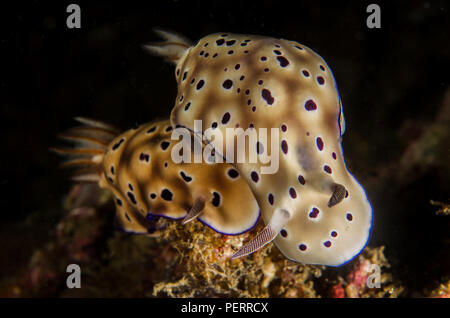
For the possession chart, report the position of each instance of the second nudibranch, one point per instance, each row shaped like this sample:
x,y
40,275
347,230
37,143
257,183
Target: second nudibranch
x,y
137,167
314,209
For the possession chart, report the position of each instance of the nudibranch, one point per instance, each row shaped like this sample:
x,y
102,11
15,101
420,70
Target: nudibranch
x,y
314,209
136,166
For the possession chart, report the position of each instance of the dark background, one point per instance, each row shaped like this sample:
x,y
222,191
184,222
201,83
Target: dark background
x,y
392,82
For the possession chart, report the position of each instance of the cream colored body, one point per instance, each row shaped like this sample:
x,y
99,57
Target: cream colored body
x,y
253,68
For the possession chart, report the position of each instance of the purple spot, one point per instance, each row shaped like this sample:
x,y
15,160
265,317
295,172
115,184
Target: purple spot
x,y
230,52
247,91
346,193
242,78
301,179
263,58
185,177
327,244
231,42
207,54
266,70
233,173
319,143
184,75
260,82
226,118
216,199
227,84
277,52
237,66
322,68
151,130
284,146
214,125
270,198
267,96
119,202
200,84
164,145
215,55
333,154
292,193
320,80
132,198
349,216
254,175
305,73
283,128
112,170
283,233
249,102
254,109
117,145
201,53
220,42
314,213
259,148
302,247
334,234
166,195
310,105
144,157
327,169
283,61
153,195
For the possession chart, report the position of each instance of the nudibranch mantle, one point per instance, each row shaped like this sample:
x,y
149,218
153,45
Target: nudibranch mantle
x,y
314,209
